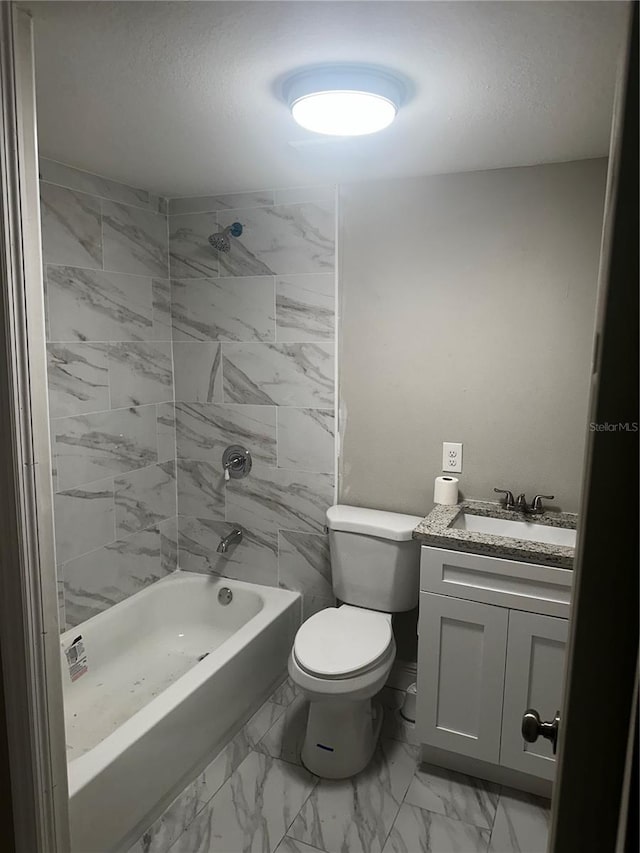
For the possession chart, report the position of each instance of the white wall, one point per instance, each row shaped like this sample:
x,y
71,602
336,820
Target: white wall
x,y
467,311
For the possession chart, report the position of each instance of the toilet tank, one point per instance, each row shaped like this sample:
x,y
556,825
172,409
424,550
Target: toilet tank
x,y
374,561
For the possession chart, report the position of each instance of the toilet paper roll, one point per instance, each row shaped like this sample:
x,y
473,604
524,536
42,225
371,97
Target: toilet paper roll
x,y
445,491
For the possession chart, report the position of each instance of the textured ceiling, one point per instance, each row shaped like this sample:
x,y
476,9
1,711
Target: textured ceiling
x,y
180,97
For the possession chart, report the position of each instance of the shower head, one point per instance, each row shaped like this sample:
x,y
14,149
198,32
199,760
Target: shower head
x,y
221,242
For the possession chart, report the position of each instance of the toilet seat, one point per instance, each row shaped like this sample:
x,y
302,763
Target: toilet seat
x,y
340,642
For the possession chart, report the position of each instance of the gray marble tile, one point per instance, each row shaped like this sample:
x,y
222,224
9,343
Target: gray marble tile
x,y
140,373
190,254
356,814
201,489
134,240
284,374
84,519
296,195
287,239
89,305
66,176
303,563
224,309
290,845
306,439
197,372
144,497
166,431
204,430
285,738
161,296
102,578
254,559
212,203
177,817
234,753
78,379
521,825
273,498
418,831
252,810
305,307
285,693
71,227
454,795
91,447
169,544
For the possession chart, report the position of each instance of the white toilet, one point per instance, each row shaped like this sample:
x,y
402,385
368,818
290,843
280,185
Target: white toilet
x,y
342,656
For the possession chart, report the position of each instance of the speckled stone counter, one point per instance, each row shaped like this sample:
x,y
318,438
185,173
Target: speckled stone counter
x,y
435,530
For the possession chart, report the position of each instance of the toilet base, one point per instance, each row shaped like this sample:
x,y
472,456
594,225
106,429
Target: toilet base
x,y
341,737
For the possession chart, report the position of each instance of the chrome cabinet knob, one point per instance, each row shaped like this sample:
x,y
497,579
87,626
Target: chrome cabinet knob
x,y
533,728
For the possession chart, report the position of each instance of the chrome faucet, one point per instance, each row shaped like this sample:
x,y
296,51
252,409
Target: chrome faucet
x,y
232,538
520,503
509,502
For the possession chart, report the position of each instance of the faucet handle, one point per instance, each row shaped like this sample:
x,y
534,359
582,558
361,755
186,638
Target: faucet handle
x,y
537,501
509,502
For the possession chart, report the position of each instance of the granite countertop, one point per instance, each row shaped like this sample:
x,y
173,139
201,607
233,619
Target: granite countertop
x,y
435,530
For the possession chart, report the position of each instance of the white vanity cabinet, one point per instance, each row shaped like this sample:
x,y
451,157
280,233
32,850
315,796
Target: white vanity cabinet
x,y
483,662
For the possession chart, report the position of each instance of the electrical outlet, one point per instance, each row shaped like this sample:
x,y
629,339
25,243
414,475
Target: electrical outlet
x,y
452,456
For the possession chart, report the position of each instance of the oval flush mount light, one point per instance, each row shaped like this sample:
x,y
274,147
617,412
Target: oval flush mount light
x,y
344,100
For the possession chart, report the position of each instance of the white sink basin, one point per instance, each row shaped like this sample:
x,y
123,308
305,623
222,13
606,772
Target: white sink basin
x,y
528,530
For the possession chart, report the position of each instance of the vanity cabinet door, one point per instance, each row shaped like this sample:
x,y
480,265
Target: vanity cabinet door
x,y
536,648
461,659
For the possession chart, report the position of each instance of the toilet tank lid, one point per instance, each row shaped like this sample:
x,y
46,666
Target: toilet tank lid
x,y
372,522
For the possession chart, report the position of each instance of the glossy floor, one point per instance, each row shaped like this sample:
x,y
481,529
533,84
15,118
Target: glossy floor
x,y
256,796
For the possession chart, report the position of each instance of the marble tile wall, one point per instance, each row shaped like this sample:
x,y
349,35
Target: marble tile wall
x,y
111,387
254,362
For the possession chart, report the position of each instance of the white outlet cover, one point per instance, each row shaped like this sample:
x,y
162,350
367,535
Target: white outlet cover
x,y
452,457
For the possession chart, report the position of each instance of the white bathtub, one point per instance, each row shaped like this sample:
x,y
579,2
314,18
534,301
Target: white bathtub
x,y
147,712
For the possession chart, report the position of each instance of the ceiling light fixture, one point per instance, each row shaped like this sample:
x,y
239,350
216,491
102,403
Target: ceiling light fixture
x,y
344,100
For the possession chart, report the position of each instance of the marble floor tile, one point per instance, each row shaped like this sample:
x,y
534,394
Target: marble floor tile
x,y
419,831
521,825
253,559
224,309
66,176
201,489
284,239
134,240
303,563
84,519
306,439
252,810
284,374
285,738
144,497
104,577
305,307
285,693
212,203
140,373
190,254
205,430
89,305
172,823
356,814
166,431
290,845
91,447
197,372
274,498
454,795
71,227
78,379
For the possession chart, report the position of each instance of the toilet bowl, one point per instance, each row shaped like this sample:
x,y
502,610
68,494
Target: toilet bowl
x,y
342,656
